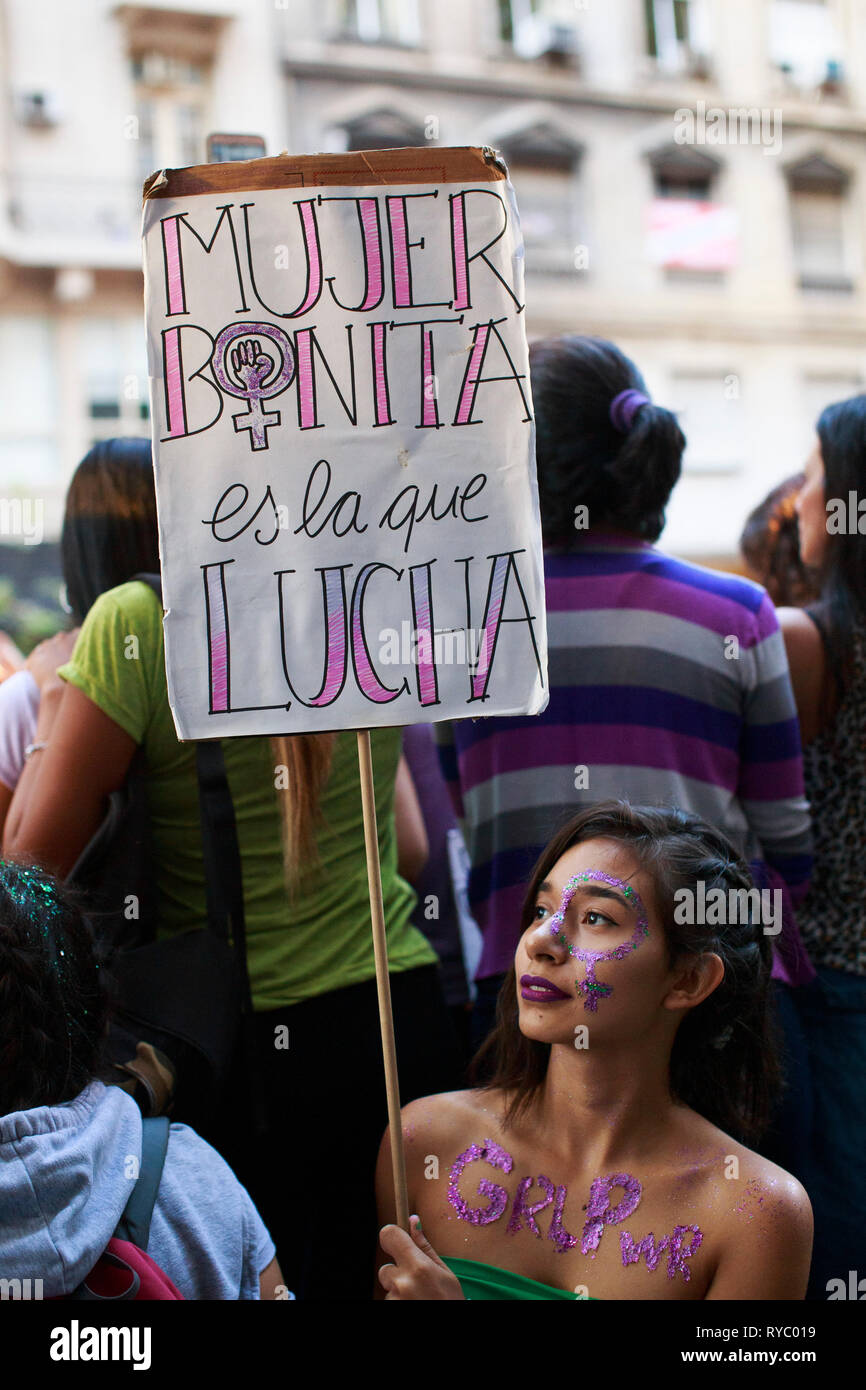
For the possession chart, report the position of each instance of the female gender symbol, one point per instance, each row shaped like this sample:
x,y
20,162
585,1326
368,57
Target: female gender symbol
x,y
590,987
252,367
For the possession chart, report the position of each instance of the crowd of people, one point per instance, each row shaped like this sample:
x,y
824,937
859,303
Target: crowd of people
x,y
693,1078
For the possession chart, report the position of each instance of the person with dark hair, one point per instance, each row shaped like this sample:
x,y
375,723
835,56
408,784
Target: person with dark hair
x,y
300,832
770,546
109,534
668,681
70,1145
826,644
632,1041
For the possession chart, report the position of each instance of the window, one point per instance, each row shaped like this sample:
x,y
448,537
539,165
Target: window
x,y
380,21
709,410
820,224
681,171
540,28
29,446
512,13
545,200
676,35
542,163
171,104
383,130
114,375
804,44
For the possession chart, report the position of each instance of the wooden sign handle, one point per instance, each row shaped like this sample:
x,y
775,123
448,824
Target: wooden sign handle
x,y
383,986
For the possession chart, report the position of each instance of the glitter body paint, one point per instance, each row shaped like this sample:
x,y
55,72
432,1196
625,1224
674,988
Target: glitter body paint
x,y
599,1212
590,988
677,1256
529,1211
491,1153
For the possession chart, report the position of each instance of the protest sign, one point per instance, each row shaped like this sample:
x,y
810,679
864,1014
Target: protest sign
x,y
344,442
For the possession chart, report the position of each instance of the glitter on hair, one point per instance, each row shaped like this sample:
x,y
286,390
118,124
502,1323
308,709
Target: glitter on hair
x,y
599,1212
489,1152
590,988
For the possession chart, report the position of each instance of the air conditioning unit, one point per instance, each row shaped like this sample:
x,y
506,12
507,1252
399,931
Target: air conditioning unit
x,y
538,36
37,108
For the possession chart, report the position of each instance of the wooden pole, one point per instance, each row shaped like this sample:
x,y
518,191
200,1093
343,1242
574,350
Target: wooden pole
x,y
383,986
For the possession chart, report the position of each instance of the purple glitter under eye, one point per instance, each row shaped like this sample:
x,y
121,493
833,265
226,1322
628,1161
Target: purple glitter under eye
x,y
590,988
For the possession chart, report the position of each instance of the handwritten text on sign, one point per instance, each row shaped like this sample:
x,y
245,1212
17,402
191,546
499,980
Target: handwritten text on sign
x,y
344,457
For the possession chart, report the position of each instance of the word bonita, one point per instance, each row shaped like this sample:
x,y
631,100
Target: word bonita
x,y
716,907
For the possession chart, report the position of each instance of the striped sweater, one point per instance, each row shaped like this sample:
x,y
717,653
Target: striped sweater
x,y
669,685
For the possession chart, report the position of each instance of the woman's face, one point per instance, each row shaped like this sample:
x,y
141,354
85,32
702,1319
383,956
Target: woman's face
x,y
603,962
812,511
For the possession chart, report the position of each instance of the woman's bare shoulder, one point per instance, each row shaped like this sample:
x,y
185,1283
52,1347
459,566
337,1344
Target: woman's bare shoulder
x,y
450,1115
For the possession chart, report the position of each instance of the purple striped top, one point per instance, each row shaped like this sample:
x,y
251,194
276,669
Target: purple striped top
x,y
669,685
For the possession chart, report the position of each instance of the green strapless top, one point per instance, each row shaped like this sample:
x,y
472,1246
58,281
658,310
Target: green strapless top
x,y
481,1281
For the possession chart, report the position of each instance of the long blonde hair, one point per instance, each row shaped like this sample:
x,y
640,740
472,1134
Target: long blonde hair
x,y
307,759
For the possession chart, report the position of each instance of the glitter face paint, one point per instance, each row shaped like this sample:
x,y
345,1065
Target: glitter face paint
x,y
599,1212
488,1152
589,987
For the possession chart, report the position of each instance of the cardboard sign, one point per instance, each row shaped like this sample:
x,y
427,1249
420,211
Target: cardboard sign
x,y
344,443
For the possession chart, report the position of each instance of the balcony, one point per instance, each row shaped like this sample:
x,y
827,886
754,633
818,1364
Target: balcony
x,y
67,220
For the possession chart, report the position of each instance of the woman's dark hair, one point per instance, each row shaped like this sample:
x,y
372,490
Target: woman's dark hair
x,y
842,433
53,1000
770,546
724,1060
623,479
109,526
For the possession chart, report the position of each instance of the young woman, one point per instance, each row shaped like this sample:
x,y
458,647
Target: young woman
x,y
826,645
69,1144
109,534
297,805
632,1038
667,679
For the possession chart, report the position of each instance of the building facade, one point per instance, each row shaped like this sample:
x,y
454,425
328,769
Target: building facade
x,y
691,176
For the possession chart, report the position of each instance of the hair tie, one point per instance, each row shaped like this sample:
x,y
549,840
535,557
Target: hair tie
x,y
624,407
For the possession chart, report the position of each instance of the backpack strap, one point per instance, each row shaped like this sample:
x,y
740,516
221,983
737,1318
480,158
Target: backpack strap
x,y
134,1224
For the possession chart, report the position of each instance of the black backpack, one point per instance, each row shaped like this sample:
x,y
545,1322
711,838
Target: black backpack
x,y
188,994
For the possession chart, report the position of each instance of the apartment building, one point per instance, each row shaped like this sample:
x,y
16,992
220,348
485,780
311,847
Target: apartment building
x,y
690,174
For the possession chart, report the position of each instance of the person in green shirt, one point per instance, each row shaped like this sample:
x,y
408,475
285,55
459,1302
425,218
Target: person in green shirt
x,y
310,957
